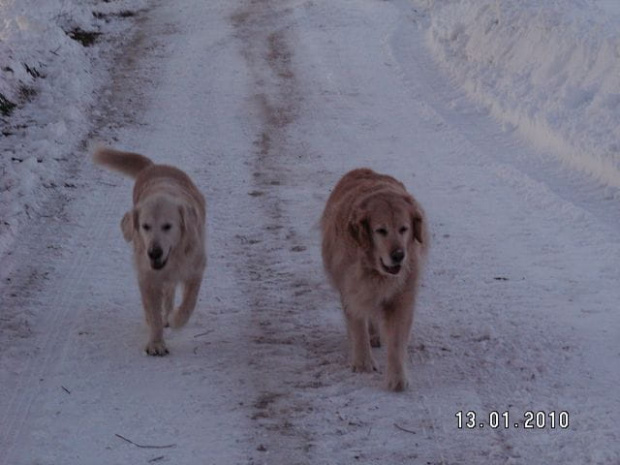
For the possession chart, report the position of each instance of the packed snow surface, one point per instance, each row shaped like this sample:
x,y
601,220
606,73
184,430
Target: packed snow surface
x,y
266,104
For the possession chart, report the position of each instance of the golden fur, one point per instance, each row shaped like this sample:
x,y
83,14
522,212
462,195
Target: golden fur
x,y
375,240
167,229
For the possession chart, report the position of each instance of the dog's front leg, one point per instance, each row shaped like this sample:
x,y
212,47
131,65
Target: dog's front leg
x,y
152,301
397,321
359,340
191,289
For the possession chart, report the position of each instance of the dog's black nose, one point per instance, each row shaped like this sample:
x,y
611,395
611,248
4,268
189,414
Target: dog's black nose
x,y
397,255
155,253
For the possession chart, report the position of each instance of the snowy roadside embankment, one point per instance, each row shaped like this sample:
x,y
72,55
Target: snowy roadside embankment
x,y
50,69
550,69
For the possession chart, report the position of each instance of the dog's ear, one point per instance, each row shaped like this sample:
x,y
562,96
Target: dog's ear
x,y
417,227
415,212
129,224
359,228
189,231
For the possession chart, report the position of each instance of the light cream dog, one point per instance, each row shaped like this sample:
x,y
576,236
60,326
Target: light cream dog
x,y
375,240
167,229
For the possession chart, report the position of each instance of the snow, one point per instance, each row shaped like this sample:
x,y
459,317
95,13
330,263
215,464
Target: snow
x,y
52,81
266,104
550,71
608,6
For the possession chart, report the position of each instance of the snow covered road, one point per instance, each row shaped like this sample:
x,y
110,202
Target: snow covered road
x,y
266,104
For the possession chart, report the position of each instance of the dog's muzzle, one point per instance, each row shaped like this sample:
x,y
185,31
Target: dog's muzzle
x,y
393,270
156,255
397,256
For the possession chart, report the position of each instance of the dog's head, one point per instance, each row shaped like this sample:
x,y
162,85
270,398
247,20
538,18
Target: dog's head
x,y
386,225
158,227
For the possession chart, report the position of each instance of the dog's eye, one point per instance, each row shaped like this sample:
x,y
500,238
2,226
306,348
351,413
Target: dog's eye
x,y
382,232
166,227
146,227
403,230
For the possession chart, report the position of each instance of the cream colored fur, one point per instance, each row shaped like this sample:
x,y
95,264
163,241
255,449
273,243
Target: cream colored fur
x,y
166,227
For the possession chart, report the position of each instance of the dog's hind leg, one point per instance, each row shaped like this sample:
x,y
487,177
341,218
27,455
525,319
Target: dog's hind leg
x,y
373,332
152,302
168,302
190,297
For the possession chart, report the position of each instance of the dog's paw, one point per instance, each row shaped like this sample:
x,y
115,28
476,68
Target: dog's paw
x,y
364,366
397,382
156,349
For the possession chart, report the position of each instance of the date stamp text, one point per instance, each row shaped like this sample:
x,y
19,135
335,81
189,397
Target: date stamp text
x,y
528,420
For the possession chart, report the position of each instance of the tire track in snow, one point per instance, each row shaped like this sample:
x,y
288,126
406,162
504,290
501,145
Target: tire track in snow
x,y
279,335
54,260
45,268
63,304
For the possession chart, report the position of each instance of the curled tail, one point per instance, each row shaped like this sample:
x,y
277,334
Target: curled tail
x,y
127,163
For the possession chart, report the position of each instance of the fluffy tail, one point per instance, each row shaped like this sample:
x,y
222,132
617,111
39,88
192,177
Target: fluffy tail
x,y
127,163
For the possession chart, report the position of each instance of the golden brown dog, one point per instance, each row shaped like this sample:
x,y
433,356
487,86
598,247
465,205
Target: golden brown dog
x,y
375,240
167,229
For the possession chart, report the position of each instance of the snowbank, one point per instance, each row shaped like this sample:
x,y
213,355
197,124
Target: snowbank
x,y
50,68
550,69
